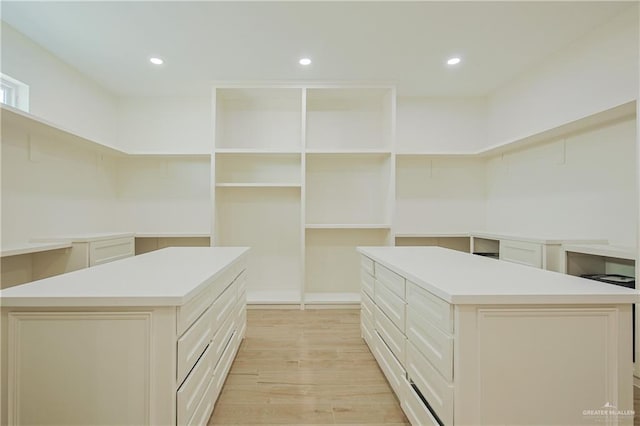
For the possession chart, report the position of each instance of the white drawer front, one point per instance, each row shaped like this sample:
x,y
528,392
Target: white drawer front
x,y
367,265
367,307
194,387
223,307
521,252
367,283
437,392
415,410
436,310
367,331
241,285
393,337
191,310
391,280
193,343
390,304
433,343
222,369
221,339
389,365
205,408
109,250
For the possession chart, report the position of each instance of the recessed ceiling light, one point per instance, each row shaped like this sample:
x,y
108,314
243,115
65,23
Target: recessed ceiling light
x,y
453,61
156,61
305,61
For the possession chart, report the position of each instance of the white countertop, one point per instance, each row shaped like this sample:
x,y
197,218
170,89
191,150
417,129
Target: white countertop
x,y
463,278
85,238
605,250
537,238
27,248
167,277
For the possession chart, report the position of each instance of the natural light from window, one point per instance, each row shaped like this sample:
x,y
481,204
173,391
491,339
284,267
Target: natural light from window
x,y
14,93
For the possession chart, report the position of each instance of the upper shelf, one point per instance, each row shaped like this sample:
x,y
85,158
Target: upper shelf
x,y
39,126
603,250
28,248
33,124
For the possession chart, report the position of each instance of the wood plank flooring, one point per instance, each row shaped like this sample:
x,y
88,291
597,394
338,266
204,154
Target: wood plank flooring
x,y
305,367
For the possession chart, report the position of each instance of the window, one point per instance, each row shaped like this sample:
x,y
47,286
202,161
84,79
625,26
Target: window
x,y
14,93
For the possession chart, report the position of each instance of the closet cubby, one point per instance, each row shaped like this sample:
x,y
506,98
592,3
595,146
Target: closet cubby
x,y
258,119
265,169
268,220
348,189
332,268
349,119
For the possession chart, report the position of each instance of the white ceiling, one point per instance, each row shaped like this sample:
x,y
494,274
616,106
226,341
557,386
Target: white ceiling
x,y
405,43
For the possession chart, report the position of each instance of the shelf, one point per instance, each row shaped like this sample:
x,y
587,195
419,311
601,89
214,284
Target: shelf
x,y
433,235
438,154
170,155
348,226
172,235
258,185
380,152
604,250
37,125
331,298
258,119
249,151
28,248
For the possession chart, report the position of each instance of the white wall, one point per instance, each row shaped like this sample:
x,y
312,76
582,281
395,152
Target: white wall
x,y
595,73
164,195
584,185
159,125
59,93
441,125
439,195
52,187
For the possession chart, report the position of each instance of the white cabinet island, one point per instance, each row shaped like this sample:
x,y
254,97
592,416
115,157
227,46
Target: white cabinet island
x,y
146,340
468,340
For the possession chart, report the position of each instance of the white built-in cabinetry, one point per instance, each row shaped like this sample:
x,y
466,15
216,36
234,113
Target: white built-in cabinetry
x,y
147,340
451,333
303,175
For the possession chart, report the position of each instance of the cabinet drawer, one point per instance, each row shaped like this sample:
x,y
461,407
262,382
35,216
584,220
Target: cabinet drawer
x,y
391,280
389,365
367,282
366,324
205,408
393,337
436,310
241,285
221,339
437,392
109,250
222,369
193,343
390,304
367,307
223,307
194,387
415,410
434,344
521,252
191,310
367,265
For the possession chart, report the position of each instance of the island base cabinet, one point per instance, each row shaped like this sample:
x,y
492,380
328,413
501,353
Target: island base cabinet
x,y
104,367
543,364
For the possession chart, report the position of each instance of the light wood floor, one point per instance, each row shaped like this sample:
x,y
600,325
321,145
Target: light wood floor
x,y
305,367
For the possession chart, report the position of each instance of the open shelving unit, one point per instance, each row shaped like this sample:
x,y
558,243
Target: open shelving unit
x,y
303,175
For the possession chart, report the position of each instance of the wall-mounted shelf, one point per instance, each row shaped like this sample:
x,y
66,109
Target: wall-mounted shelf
x,y
348,226
331,298
250,151
355,152
29,248
258,185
